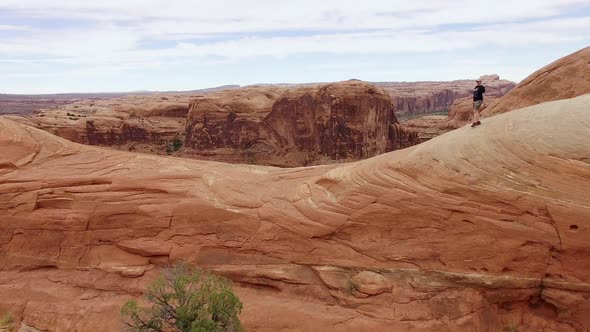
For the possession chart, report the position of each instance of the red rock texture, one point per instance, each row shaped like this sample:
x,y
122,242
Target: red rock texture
x,y
151,119
474,230
347,120
269,125
230,120
427,127
461,112
565,78
425,97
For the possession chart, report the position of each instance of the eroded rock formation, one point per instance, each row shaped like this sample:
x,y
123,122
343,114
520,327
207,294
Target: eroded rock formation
x,y
474,230
347,120
427,127
565,78
281,125
229,119
269,125
144,123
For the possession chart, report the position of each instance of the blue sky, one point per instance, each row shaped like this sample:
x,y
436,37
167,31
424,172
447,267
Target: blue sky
x,y
126,45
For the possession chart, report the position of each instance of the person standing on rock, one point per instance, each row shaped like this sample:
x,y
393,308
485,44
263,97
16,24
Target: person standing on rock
x,y
478,92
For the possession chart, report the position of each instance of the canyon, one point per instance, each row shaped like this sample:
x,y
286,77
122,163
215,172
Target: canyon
x,y
269,125
279,125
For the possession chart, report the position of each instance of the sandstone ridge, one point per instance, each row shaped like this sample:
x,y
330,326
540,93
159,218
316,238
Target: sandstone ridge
x,y
566,77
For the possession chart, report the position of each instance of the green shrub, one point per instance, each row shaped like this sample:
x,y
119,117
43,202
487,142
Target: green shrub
x,y
176,144
6,321
510,327
351,286
188,300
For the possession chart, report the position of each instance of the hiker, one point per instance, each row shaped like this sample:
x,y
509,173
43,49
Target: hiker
x,y
478,92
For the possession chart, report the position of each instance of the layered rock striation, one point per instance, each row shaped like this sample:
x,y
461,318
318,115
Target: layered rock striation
x,y
347,120
148,121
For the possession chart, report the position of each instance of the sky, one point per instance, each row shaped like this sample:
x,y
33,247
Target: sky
x,y
62,46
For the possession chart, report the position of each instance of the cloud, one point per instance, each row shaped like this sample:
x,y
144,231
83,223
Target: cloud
x,y
122,45
172,16
6,27
65,36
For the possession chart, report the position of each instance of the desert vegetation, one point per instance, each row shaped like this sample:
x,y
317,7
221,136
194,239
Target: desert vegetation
x,y
185,299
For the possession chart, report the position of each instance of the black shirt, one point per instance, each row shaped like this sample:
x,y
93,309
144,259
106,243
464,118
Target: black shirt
x,y
478,92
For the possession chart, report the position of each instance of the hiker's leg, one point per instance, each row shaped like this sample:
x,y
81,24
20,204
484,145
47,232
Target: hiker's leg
x,y
476,108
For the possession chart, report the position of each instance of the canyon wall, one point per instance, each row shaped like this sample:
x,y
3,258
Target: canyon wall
x,y
340,121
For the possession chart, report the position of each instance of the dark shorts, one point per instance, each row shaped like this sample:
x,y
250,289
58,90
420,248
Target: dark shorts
x,y
477,104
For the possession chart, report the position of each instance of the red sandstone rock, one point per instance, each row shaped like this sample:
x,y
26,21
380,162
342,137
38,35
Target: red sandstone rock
x,y
230,120
347,120
424,97
151,119
565,78
245,126
371,283
461,111
462,233
276,125
427,127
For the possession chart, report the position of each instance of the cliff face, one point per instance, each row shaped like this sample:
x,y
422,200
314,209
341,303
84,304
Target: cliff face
x,y
152,120
426,102
565,78
470,231
347,120
229,119
424,97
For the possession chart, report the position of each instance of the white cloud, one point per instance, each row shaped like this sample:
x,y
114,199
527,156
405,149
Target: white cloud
x,y
110,44
6,27
271,15
144,34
